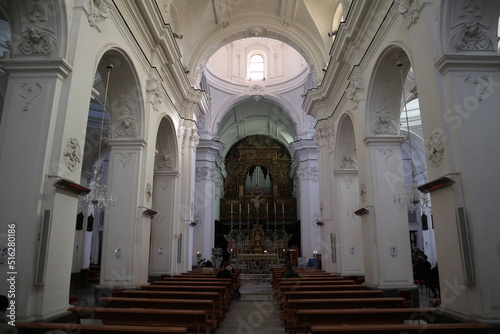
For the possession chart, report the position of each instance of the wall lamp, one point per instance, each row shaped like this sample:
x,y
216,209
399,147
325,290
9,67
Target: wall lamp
x,y
443,181
361,212
332,33
177,35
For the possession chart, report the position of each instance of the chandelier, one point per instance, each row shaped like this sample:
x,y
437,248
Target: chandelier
x,y
98,195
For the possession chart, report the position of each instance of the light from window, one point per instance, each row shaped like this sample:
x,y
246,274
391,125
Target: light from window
x,y
256,67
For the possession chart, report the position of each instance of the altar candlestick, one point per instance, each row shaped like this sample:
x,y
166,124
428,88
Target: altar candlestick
x,y
231,208
267,216
248,217
283,212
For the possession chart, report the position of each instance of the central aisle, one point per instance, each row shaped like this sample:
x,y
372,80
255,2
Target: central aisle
x,y
255,312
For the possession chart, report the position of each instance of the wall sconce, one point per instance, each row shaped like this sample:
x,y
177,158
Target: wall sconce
x,y
332,33
361,212
177,35
436,184
71,186
149,213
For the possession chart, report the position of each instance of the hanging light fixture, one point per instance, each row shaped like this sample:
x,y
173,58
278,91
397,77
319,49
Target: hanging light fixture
x,y
412,195
98,195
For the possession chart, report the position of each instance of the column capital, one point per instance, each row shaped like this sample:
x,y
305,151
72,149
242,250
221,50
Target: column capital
x,y
26,67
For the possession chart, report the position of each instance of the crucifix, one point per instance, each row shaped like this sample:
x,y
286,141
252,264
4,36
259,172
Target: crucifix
x,y
256,194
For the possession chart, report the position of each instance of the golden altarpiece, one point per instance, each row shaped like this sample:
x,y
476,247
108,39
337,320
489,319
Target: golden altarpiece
x,y
258,200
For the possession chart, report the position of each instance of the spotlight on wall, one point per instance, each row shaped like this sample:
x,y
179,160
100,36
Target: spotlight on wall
x,y
320,223
361,212
149,213
436,184
332,33
177,35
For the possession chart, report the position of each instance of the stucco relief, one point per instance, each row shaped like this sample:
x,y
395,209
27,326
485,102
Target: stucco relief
x,y
362,192
409,8
435,148
386,153
324,136
98,12
154,91
308,173
29,92
383,123
471,35
126,127
470,30
356,88
348,157
36,41
256,32
72,154
124,158
149,192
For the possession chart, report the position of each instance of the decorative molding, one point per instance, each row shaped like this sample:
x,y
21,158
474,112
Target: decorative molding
x,y
348,157
410,9
36,41
348,182
72,154
165,159
29,92
98,12
124,158
386,153
164,184
356,88
205,173
149,192
435,148
382,122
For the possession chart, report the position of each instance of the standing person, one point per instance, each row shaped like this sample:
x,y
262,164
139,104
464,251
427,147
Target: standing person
x,y
5,328
434,281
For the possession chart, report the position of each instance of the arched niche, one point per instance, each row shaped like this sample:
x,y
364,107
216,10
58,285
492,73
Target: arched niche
x,y
384,97
166,147
124,95
346,145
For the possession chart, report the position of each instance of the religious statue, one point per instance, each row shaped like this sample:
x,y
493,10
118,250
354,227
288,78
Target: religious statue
x,y
257,239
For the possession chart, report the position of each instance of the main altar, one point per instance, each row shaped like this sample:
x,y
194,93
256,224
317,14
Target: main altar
x,y
258,210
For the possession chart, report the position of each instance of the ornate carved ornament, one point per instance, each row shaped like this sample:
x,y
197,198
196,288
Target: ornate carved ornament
x,y
98,11
36,41
126,127
471,36
72,154
29,92
348,158
356,88
435,148
308,173
362,192
256,32
383,123
410,9
153,89
324,136
164,159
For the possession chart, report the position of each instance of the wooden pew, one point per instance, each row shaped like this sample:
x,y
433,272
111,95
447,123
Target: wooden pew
x,y
441,328
173,304
213,296
226,283
280,294
42,327
222,290
304,319
288,295
196,321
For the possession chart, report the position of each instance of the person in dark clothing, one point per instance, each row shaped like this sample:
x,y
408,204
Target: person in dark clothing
x,y
433,282
422,269
289,272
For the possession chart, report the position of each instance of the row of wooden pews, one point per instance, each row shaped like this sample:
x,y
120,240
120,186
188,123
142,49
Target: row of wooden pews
x,y
318,302
189,303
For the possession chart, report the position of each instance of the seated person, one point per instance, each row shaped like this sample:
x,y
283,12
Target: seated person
x,y
4,321
208,268
289,272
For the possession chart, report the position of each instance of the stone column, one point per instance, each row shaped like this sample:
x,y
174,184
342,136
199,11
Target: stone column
x,y
207,174
305,168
